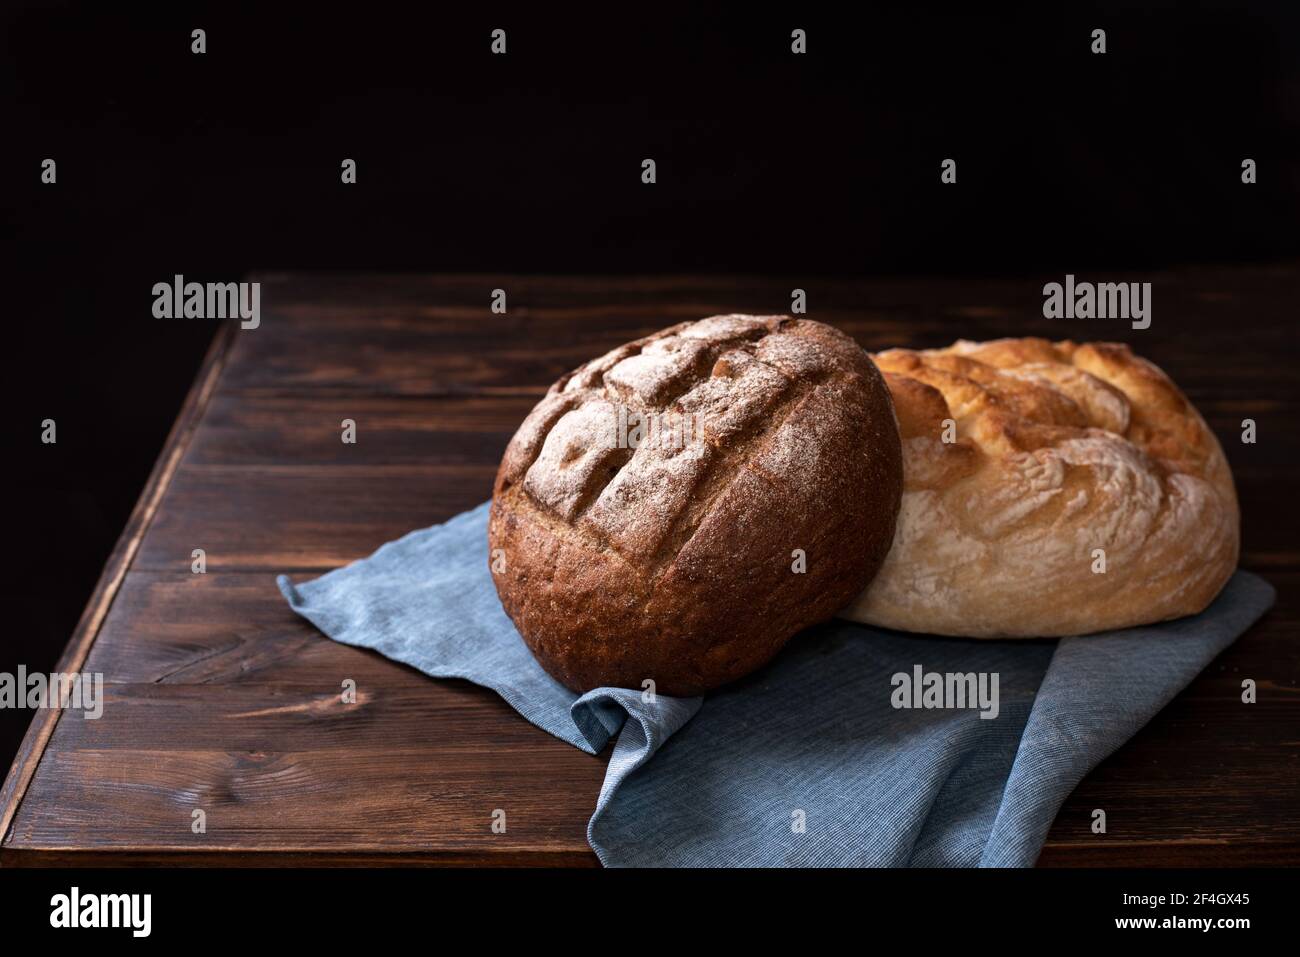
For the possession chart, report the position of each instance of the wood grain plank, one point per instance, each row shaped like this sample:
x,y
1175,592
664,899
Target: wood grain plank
x,y
244,857
417,430
178,628
419,358
316,800
290,711
32,748
424,336
282,518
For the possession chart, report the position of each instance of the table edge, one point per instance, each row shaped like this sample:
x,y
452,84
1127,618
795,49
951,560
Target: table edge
x,y
32,748
25,857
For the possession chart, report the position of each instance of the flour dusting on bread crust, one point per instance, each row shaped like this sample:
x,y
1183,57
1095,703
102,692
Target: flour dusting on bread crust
x,y
670,561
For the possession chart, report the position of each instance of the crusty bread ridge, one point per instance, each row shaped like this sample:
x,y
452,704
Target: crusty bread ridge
x,y
673,563
1061,449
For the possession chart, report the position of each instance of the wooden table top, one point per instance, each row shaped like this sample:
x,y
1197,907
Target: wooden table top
x,y
219,698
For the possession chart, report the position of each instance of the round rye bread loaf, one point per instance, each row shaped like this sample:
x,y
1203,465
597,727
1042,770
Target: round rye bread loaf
x,y
677,509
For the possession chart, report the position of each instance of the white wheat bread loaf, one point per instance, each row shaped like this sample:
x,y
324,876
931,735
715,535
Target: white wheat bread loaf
x,y
1063,453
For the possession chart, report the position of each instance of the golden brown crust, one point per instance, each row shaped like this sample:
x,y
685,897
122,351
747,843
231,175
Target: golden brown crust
x,y
1060,449
673,562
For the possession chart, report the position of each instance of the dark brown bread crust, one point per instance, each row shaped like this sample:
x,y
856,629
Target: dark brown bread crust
x,y
673,562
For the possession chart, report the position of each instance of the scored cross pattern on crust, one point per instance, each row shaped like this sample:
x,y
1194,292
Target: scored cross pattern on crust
x,y
693,541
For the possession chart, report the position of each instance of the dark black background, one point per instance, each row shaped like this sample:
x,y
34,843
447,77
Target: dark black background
x,y
827,163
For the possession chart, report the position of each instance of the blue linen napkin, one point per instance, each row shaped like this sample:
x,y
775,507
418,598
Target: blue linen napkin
x,y
807,762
